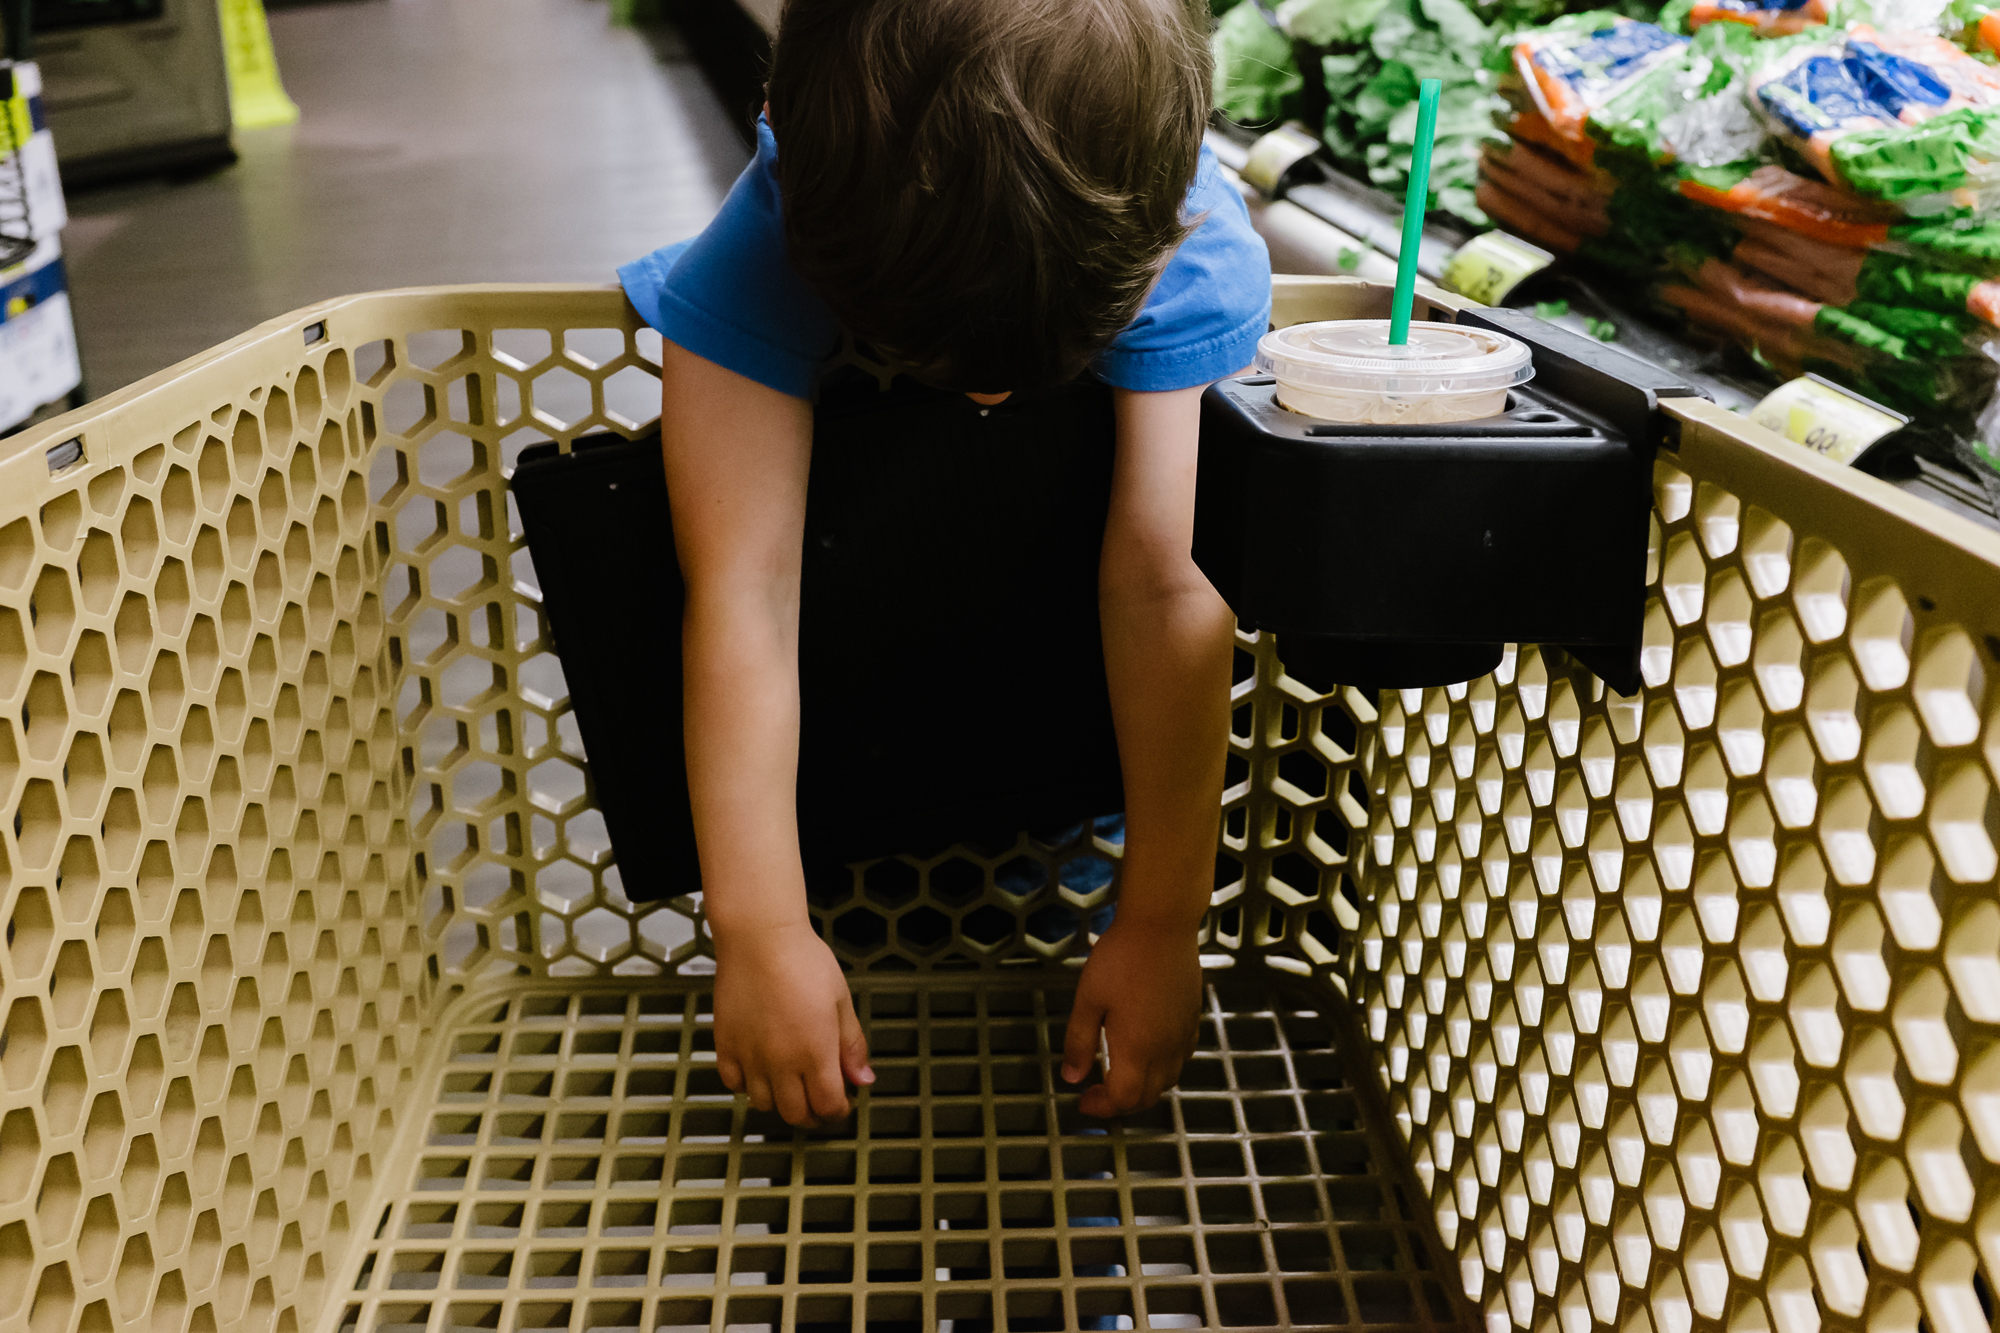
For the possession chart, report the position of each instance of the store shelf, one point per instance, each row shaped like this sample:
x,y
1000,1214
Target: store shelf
x,y
1323,221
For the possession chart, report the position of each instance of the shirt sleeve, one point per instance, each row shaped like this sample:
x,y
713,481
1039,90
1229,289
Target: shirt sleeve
x,y
730,295
1210,306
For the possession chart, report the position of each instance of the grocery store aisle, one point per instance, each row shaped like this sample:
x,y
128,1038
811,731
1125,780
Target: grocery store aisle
x,y
440,141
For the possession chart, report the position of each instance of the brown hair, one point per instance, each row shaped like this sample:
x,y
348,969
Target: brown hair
x,y
987,189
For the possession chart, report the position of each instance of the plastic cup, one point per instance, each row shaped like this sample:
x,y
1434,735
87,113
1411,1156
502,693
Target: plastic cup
x,y
1347,370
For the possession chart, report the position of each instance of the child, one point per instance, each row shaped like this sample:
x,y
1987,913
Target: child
x,y
997,195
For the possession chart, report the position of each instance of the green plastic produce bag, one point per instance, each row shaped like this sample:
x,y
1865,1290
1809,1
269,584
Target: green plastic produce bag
x,y
1957,151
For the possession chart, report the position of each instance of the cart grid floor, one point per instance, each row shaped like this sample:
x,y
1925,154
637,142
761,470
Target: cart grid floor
x,y
582,1167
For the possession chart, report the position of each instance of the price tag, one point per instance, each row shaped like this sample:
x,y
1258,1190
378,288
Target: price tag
x,y
1834,422
1488,267
1277,153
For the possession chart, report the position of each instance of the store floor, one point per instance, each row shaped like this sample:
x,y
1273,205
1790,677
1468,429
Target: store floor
x,y
440,141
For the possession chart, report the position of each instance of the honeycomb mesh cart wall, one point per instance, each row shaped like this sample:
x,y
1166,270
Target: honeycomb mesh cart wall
x,y
323,1008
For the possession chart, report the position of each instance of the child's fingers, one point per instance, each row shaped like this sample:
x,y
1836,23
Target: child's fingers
x,y
730,1072
1166,1071
793,1104
854,1065
826,1092
1080,1038
1126,1084
759,1090
1124,1089
1133,1084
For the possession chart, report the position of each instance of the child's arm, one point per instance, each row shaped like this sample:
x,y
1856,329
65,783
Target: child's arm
x,y
1168,637
737,455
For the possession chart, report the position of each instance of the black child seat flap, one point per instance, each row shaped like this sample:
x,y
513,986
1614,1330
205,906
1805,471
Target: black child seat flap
x,y
951,674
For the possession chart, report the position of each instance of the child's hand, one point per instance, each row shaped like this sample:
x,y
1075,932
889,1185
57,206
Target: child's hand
x,y
1143,988
785,1030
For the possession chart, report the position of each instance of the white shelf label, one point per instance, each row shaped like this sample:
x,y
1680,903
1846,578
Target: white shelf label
x,y
1824,417
1488,267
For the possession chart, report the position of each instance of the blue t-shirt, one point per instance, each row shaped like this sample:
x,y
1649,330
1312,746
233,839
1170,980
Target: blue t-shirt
x,y
730,295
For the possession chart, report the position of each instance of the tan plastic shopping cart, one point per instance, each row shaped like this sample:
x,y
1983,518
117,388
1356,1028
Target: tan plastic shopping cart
x,y
1532,1006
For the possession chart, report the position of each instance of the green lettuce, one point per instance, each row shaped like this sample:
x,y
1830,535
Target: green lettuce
x,y
1256,79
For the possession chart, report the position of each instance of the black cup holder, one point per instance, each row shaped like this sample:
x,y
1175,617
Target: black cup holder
x,y
1402,556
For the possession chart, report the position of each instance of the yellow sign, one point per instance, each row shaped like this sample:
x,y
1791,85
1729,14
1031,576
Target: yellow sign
x,y
1825,418
1488,267
256,93
20,124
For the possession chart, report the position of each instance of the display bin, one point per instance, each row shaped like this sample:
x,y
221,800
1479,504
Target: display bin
x,y
1531,1005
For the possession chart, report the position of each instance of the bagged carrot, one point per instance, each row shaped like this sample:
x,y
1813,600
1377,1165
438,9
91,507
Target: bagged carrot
x,y
1767,18
1917,126
1969,244
1572,67
1784,18
1824,272
1797,203
1558,191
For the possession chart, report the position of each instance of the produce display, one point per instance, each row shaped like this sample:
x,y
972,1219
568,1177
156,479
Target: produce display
x,y
1365,59
1824,194
1814,181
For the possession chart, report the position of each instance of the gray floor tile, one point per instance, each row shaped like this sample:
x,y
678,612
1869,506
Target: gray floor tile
x,y
440,141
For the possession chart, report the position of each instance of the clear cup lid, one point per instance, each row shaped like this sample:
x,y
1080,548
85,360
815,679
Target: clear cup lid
x,y
1356,354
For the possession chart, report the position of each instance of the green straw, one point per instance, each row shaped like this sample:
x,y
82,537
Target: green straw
x,y
1415,204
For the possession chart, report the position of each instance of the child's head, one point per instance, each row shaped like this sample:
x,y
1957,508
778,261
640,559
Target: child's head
x,y
987,189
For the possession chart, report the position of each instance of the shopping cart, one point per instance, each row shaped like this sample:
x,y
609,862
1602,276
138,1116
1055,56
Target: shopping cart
x,y
1531,1004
